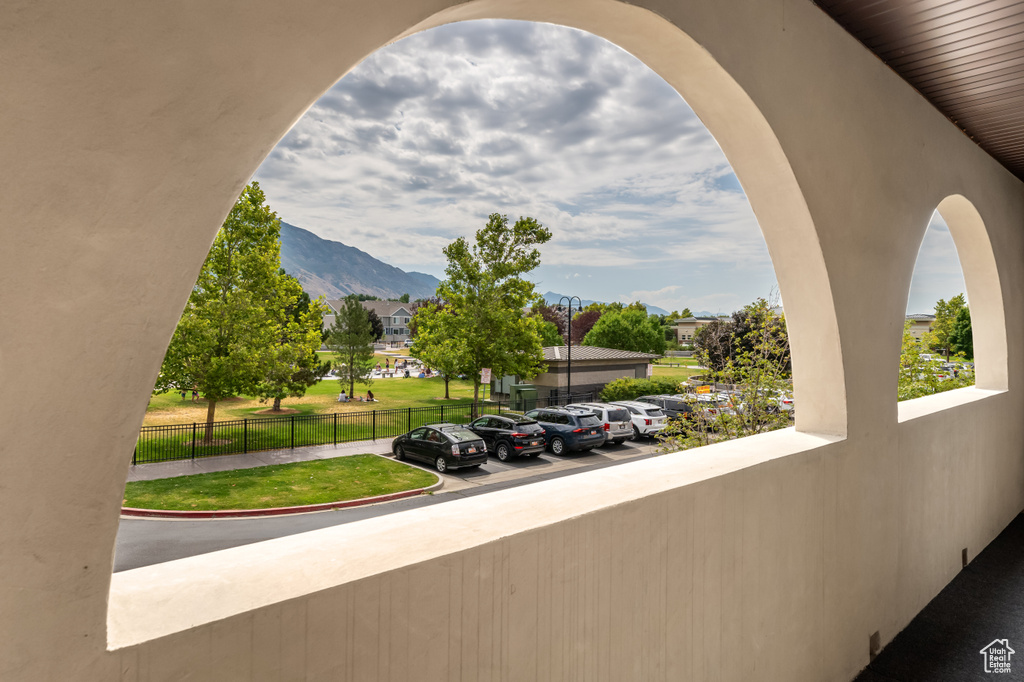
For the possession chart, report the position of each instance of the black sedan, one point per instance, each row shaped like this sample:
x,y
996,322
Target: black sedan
x,y
445,446
509,434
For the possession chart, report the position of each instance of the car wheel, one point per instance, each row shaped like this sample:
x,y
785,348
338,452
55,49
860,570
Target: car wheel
x,y
400,453
557,446
502,452
619,441
440,465
636,433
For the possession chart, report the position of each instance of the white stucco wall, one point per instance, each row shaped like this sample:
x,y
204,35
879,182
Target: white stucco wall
x,y
128,131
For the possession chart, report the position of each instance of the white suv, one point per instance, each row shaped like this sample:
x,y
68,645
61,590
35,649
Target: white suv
x,y
616,420
647,419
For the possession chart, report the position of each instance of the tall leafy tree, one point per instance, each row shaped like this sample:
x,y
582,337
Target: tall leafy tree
x,y
582,323
294,365
549,335
961,337
351,339
628,329
437,341
224,342
485,294
945,317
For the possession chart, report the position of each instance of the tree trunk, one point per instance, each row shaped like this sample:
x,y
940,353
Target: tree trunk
x,y
446,389
211,407
277,404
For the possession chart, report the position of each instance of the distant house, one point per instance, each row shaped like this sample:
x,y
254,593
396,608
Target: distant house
x,y
393,314
919,324
686,328
592,368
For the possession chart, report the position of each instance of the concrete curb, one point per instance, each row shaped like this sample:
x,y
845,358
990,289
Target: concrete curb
x,y
275,511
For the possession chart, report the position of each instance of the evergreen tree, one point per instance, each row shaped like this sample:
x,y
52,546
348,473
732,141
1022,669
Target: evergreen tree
x,y
351,339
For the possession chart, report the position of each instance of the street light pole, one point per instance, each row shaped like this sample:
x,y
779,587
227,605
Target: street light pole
x,y
568,333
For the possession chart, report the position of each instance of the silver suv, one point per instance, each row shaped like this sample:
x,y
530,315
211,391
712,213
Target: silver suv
x,y
615,420
647,419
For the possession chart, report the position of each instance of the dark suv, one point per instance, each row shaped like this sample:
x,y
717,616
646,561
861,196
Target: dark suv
x,y
672,405
566,429
509,434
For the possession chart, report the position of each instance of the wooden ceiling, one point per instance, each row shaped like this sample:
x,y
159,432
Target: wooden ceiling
x,y
965,56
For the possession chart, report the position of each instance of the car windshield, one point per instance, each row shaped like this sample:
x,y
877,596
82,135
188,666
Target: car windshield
x,y
460,435
520,420
589,420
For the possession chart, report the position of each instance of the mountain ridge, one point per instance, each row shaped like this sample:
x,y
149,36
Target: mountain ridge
x,y
334,270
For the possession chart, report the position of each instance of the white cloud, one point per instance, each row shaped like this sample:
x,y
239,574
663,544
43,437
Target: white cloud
x,y
423,140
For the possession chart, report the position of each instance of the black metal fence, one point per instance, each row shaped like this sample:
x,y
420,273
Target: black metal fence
x,y
188,441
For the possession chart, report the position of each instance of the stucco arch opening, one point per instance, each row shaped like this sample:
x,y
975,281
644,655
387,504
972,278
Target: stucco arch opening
x,y
984,296
755,155
731,116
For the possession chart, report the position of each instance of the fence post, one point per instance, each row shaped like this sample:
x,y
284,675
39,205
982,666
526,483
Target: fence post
x,y
408,420
442,413
335,428
245,436
373,426
193,440
135,452
293,431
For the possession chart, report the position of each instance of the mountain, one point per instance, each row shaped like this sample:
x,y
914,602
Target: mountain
x,y
551,298
334,270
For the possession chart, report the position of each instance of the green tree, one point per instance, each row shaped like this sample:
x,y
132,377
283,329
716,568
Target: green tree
x,y
549,335
294,365
350,339
945,317
404,298
961,338
759,368
437,342
376,326
485,296
628,329
227,336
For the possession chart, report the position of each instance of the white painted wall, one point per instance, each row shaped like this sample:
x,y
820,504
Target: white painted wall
x,y
128,131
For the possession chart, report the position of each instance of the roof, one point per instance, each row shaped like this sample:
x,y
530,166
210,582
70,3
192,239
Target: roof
x,y
696,319
561,353
921,318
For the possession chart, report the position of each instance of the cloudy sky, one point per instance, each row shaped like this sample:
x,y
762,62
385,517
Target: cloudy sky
x,y
427,137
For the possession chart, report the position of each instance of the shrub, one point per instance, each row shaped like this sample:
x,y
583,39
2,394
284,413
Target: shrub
x,y
630,389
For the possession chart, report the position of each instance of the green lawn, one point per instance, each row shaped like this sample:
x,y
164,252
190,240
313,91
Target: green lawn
x,y
283,485
677,372
169,408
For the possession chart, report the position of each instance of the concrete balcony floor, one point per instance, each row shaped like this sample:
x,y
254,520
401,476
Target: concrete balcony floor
x,y
983,603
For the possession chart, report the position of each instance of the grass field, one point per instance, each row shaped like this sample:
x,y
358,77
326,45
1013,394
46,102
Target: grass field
x,y
169,408
283,485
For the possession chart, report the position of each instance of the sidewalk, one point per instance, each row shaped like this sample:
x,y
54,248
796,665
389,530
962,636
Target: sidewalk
x,y
205,465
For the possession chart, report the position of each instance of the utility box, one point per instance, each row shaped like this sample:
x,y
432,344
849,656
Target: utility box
x,y
522,397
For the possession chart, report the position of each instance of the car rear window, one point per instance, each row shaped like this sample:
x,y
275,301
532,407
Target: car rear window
x,y
522,421
655,412
618,415
589,420
460,435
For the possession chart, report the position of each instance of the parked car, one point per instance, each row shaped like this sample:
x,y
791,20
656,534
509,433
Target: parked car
x,y
567,429
647,419
673,406
615,420
445,446
509,434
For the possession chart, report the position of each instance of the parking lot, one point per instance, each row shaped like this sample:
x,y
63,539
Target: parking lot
x,y
142,542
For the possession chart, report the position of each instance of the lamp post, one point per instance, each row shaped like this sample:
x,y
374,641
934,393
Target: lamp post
x,y
568,333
